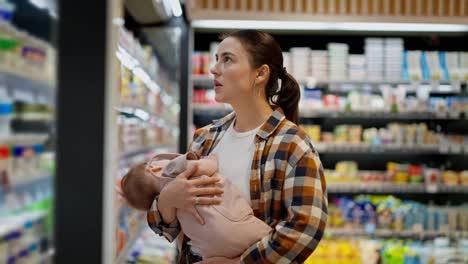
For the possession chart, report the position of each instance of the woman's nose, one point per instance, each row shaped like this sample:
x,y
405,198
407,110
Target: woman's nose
x,y
214,69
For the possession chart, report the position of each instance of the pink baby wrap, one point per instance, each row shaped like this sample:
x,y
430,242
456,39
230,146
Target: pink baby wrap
x,y
230,228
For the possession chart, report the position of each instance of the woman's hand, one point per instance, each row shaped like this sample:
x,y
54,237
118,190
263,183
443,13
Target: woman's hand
x,y
220,260
184,193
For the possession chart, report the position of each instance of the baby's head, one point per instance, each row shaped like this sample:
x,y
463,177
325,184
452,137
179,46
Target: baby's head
x,y
146,180
139,187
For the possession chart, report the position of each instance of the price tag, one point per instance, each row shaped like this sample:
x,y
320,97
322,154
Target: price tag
x,y
23,96
432,188
418,228
456,86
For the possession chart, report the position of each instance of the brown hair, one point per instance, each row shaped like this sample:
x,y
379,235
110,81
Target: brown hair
x,y
137,189
263,49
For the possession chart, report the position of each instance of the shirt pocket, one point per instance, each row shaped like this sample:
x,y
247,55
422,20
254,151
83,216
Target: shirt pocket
x,y
234,206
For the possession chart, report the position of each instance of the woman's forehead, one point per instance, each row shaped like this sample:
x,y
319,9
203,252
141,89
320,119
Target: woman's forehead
x,y
230,45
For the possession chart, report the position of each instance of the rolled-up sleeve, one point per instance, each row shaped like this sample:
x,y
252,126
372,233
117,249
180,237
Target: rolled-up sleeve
x,y
305,199
156,223
154,218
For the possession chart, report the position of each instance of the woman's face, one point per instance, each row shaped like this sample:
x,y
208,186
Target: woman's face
x,y
233,74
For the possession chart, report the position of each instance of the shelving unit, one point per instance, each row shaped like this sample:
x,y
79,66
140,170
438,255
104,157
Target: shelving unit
x,y
349,148
27,174
418,235
412,188
327,113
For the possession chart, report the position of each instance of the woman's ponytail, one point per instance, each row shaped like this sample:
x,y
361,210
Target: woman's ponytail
x,y
288,97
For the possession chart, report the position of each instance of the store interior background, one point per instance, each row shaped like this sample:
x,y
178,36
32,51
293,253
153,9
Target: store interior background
x,y
89,88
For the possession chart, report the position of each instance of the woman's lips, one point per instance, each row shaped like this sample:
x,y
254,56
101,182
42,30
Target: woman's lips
x,y
217,85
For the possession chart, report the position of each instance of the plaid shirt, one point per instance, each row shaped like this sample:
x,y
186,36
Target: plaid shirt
x,y
287,190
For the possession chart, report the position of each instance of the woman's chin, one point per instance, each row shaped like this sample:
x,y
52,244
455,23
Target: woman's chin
x,y
219,98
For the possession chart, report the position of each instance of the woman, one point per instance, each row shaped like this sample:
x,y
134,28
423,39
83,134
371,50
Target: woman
x,y
261,149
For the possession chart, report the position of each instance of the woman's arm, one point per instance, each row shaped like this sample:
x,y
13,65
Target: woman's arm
x,y
305,198
181,193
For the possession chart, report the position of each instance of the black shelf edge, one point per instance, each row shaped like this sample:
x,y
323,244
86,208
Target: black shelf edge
x,y
403,188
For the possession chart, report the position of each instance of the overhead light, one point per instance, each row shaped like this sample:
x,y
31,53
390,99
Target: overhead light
x,y
143,115
326,26
41,4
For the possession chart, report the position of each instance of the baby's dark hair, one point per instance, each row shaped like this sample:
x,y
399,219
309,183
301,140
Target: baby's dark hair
x,y
137,189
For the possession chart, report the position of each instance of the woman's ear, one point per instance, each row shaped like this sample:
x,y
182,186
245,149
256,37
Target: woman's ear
x,y
263,74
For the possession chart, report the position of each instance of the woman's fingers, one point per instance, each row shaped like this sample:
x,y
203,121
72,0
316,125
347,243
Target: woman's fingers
x,y
205,180
201,200
207,191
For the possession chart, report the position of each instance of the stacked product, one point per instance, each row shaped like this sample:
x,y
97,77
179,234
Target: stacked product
x,y
393,58
357,67
394,136
450,62
464,65
347,172
132,53
21,237
201,62
374,50
150,248
434,70
300,62
25,55
319,64
372,251
391,101
413,64
386,213
338,61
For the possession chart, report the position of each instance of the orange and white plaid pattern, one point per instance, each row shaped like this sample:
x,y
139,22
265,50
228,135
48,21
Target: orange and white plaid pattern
x,y
287,190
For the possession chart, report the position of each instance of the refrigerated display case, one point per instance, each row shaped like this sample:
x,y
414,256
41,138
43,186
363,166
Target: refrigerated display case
x,y
27,135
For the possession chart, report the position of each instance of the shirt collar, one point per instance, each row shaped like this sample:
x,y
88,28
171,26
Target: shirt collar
x,y
265,130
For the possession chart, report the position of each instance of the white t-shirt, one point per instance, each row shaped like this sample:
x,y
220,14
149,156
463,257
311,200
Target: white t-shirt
x,y
235,154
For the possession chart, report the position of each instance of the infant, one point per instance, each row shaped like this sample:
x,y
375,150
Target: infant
x,y
229,229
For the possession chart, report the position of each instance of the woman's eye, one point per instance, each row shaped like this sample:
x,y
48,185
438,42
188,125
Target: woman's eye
x,y
226,59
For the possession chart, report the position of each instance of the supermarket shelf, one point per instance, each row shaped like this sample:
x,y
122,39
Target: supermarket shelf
x,y
138,70
122,257
392,188
452,189
27,184
202,80
394,234
211,110
145,115
19,82
397,82
324,148
443,87
221,110
314,113
375,187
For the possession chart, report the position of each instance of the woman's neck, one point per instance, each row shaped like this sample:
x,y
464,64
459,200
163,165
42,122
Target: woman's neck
x,y
251,114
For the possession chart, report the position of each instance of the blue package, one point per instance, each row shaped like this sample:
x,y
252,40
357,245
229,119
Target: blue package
x,y
405,72
425,67
443,65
